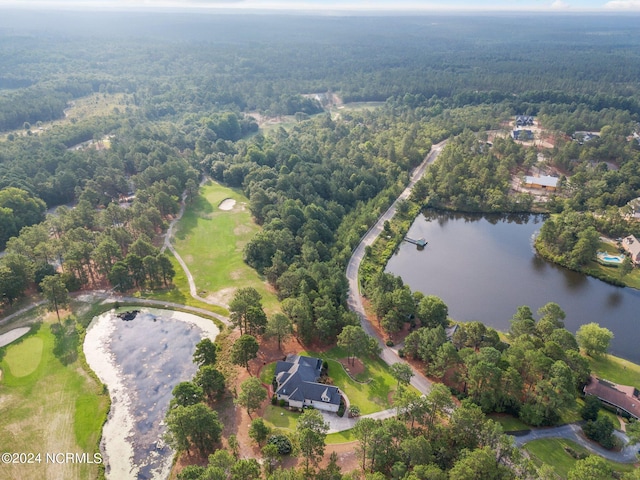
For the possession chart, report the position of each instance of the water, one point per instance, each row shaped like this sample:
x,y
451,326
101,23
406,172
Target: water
x,y
484,267
141,361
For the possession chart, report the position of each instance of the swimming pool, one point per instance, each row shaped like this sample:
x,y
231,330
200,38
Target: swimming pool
x,y
608,258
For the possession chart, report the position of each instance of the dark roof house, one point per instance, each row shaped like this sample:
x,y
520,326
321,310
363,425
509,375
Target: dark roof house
x,y
524,120
297,383
622,397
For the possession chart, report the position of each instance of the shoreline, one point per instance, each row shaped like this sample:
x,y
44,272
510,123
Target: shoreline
x,y
117,440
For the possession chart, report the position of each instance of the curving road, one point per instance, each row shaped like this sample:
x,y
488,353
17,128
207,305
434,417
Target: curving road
x,y
354,300
573,432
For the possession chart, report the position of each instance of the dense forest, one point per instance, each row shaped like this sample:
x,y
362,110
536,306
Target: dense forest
x,y
86,198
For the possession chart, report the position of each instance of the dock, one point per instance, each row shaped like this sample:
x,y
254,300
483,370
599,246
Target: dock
x,y
421,242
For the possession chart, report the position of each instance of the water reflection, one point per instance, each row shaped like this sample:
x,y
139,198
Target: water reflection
x,y
484,267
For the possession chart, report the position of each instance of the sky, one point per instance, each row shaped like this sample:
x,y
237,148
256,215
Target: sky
x,y
343,5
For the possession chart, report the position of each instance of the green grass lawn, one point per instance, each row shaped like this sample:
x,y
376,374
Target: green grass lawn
x,y
267,372
179,293
509,423
372,396
280,417
25,357
552,452
615,369
341,437
48,407
211,242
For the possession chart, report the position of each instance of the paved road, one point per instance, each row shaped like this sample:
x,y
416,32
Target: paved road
x,y
573,432
354,299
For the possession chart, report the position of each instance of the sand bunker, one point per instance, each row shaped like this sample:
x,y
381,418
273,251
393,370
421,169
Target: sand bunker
x,y
12,335
227,204
141,361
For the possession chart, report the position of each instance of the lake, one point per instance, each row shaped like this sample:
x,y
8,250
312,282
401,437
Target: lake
x,y
484,267
141,361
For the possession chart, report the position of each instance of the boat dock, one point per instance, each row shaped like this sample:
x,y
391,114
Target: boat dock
x,y
420,242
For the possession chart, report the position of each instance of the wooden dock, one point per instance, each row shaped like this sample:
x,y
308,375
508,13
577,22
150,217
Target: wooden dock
x,y
420,243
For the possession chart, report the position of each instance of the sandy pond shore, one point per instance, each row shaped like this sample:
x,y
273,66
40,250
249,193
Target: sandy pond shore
x,y
141,361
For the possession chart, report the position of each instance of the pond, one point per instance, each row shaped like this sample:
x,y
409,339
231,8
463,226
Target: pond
x,y
484,267
141,361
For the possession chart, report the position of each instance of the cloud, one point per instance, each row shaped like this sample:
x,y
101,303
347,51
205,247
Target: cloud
x,y
623,5
560,5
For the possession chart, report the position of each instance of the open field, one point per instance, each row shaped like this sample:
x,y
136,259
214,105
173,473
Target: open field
x,y
48,407
552,452
95,105
211,242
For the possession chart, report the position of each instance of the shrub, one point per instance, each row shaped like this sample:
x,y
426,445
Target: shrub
x,y
390,343
282,442
401,353
274,400
282,403
354,411
325,366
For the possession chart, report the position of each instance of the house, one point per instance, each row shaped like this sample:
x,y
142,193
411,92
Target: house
x,y
524,121
544,182
297,383
632,246
583,137
522,135
625,399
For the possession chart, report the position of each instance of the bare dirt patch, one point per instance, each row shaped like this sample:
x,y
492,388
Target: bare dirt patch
x,y
353,367
222,296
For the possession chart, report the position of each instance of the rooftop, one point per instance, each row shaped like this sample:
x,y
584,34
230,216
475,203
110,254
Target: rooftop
x,y
622,396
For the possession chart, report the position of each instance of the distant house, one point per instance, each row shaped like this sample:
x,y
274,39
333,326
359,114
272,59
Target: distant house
x,y
524,121
297,383
544,182
625,399
522,135
582,137
632,245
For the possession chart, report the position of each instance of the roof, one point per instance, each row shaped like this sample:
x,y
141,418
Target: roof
x,y
631,245
545,181
622,396
297,378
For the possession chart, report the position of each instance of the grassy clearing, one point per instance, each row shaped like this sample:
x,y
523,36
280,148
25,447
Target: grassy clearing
x,y
341,437
552,452
211,242
509,422
94,105
180,293
53,408
615,369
